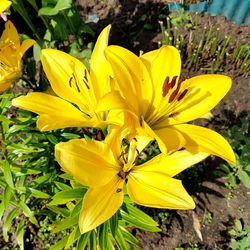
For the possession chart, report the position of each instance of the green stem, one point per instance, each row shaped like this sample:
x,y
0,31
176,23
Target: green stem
x,y
19,7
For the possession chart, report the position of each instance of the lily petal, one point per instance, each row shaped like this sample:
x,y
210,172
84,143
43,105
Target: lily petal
x,y
26,44
172,164
69,78
90,162
100,204
132,77
10,34
54,112
110,101
206,140
147,130
158,190
162,63
4,86
171,138
100,68
4,5
203,93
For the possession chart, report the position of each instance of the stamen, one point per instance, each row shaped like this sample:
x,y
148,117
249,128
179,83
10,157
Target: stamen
x,y
118,190
175,92
76,84
181,96
70,81
166,87
85,79
77,87
173,81
172,96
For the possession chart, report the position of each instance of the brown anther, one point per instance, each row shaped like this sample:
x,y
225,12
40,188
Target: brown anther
x,y
173,95
173,81
181,96
85,79
70,81
118,190
165,87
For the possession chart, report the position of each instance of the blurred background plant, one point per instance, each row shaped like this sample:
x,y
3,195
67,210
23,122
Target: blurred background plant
x,y
203,47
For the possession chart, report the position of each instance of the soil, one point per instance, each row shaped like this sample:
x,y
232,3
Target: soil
x,y
128,20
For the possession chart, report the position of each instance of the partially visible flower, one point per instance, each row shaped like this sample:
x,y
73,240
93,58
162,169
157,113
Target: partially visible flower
x,y
84,99
163,104
5,4
11,53
110,167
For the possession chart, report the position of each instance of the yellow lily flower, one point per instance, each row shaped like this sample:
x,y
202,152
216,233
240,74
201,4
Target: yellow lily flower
x,y
11,53
162,104
109,167
5,4
75,86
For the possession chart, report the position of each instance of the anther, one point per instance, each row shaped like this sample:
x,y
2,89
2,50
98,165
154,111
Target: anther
x,y
118,190
85,79
173,81
181,96
172,96
165,87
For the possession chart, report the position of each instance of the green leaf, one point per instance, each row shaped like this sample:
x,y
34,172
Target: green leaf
x,y
8,174
103,231
61,5
66,223
2,209
129,237
82,242
93,240
59,210
70,136
67,195
74,235
244,177
8,222
120,241
37,52
42,179
28,213
137,218
20,234
113,223
16,128
62,186
23,149
60,244
7,196
34,192
238,225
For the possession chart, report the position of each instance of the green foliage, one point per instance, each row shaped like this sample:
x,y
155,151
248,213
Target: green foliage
x,y
238,132
240,236
58,21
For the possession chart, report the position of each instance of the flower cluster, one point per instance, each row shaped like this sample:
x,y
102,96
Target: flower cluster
x,y
11,53
138,99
